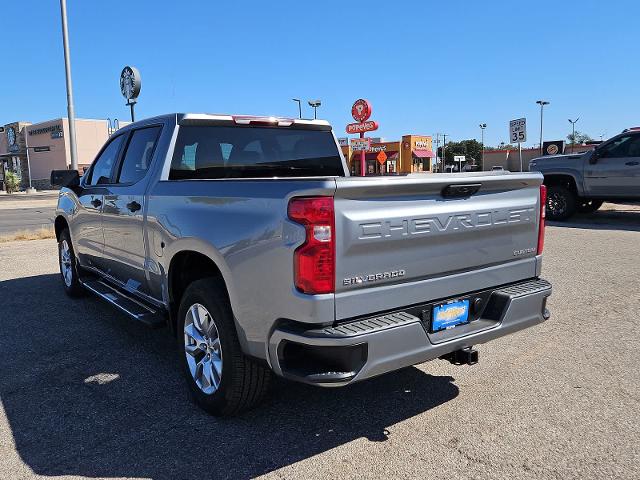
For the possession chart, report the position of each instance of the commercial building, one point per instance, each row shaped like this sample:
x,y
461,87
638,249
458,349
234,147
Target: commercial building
x,y
41,147
410,155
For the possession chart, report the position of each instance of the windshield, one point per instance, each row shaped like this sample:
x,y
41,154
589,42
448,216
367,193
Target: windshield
x,y
209,152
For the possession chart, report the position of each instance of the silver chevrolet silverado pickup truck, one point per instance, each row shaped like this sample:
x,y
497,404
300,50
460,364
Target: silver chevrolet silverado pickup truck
x,y
250,241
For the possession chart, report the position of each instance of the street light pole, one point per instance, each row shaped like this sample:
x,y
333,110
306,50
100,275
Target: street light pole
x,y
542,103
67,70
482,127
299,106
26,146
573,133
315,104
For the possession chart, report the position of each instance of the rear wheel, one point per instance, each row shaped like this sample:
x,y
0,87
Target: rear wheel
x,y
589,206
561,202
68,266
222,380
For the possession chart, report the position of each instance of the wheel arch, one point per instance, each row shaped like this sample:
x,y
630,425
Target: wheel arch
x,y
59,224
188,265
564,179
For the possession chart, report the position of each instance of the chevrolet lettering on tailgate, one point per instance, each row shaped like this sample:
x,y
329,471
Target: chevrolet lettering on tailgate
x,y
442,224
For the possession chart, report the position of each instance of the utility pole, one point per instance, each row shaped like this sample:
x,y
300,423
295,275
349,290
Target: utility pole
x,y
437,144
542,103
444,146
67,70
573,133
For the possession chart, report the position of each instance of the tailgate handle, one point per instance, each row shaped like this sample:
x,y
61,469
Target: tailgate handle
x,y
460,191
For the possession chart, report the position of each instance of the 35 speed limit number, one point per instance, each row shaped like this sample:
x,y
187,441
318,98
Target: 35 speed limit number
x,y
518,130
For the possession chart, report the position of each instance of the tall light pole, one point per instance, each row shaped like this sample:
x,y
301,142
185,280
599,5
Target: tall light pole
x,y
542,103
315,104
482,127
573,133
67,70
299,106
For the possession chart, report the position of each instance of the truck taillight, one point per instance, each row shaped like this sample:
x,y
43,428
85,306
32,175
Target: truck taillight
x,y
314,260
543,215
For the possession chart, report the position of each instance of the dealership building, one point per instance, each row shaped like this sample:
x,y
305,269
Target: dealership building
x,y
412,154
38,148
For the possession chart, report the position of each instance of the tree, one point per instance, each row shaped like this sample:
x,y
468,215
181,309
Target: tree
x,y
471,149
579,138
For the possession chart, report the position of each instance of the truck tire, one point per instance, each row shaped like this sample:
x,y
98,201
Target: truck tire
x,y
561,202
69,266
223,381
588,206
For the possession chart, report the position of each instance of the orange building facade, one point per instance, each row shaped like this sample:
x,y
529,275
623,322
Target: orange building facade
x,y
412,154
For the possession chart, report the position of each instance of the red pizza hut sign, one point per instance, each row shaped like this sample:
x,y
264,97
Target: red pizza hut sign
x,y
367,126
361,110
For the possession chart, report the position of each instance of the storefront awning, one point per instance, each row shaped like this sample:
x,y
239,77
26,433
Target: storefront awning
x,y
423,153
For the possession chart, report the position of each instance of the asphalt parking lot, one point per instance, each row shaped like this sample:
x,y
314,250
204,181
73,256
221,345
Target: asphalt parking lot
x,y
87,393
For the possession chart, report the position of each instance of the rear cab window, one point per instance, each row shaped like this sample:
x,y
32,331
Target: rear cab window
x,y
213,152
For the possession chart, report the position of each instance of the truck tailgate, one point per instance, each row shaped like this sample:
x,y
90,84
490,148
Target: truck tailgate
x,y
399,241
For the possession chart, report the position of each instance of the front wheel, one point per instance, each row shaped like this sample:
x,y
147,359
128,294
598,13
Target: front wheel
x,y
589,206
68,266
561,202
222,380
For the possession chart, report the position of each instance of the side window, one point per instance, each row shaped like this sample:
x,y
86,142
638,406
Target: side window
x,y
634,147
102,166
138,155
617,148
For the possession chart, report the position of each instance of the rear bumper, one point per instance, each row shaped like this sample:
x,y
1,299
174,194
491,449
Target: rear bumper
x,y
354,351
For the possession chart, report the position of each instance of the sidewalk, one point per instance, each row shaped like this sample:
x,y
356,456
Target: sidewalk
x,y
43,198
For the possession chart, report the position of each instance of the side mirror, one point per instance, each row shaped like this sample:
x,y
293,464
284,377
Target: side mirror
x,y
65,178
594,157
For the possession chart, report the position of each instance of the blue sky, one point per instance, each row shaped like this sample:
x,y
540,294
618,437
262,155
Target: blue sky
x,y
425,66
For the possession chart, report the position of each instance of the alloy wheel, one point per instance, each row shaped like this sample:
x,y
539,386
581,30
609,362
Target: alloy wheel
x,y
203,350
65,263
556,204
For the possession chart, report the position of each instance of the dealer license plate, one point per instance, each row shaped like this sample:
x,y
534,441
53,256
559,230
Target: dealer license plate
x,y
449,315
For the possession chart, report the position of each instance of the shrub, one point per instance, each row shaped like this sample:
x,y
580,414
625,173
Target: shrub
x,y
11,182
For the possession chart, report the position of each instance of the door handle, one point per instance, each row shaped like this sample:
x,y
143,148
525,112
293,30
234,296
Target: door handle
x,y
96,202
134,206
631,164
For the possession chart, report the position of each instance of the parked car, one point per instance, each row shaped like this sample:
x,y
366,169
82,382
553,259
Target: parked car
x,y
583,182
248,239
497,168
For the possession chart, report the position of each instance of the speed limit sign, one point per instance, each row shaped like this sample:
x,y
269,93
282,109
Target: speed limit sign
x,y
518,130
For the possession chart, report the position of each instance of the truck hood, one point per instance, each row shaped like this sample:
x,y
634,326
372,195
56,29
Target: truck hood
x,y
550,161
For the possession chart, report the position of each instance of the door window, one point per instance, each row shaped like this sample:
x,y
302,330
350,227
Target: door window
x,y
102,166
138,155
627,146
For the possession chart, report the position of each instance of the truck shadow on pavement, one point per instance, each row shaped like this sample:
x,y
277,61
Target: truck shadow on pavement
x,y
619,219
88,392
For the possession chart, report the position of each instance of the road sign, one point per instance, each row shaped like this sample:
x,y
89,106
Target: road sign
x,y
459,158
360,144
367,126
518,130
361,110
381,157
